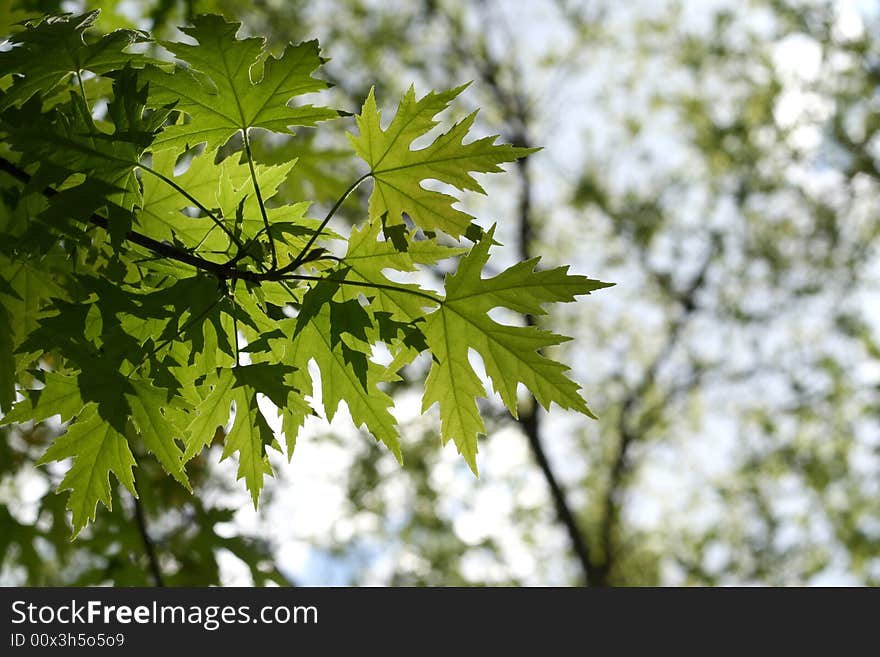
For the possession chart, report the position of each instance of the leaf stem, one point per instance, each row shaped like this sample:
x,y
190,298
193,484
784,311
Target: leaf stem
x,y
250,159
82,88
302,254
235,325
376,286
194,201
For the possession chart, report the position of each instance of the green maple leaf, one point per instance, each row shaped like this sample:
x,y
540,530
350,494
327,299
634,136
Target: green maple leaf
x,y
244,88
31,283
45,53
249,436
104,407
367,257
226,187
66,141
212,412
293,417
268,347
61,396
398,171
510,353
250,433
158,421
97,449
162,206
340,381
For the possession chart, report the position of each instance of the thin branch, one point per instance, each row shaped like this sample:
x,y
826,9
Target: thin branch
x,y
224,271
530,420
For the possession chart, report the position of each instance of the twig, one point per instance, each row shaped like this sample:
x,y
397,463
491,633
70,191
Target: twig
x,y
223,271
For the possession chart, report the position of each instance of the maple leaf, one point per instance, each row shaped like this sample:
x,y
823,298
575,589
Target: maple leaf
x,y
30,285
250,433
356,386
60,396
45,53
367,257
268,348
105,407
249,436
97,449
211,412
398,171
158,421
226,187
510,353
66,141
244,88
162,213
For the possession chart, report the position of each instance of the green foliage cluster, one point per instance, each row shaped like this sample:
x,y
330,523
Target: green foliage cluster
x,y
152,288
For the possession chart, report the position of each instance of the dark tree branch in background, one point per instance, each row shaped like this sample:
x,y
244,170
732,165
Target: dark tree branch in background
x,y
514,106
530,419
630,428
149,547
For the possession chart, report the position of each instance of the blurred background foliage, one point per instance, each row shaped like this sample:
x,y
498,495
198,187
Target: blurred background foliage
x,y
720,161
